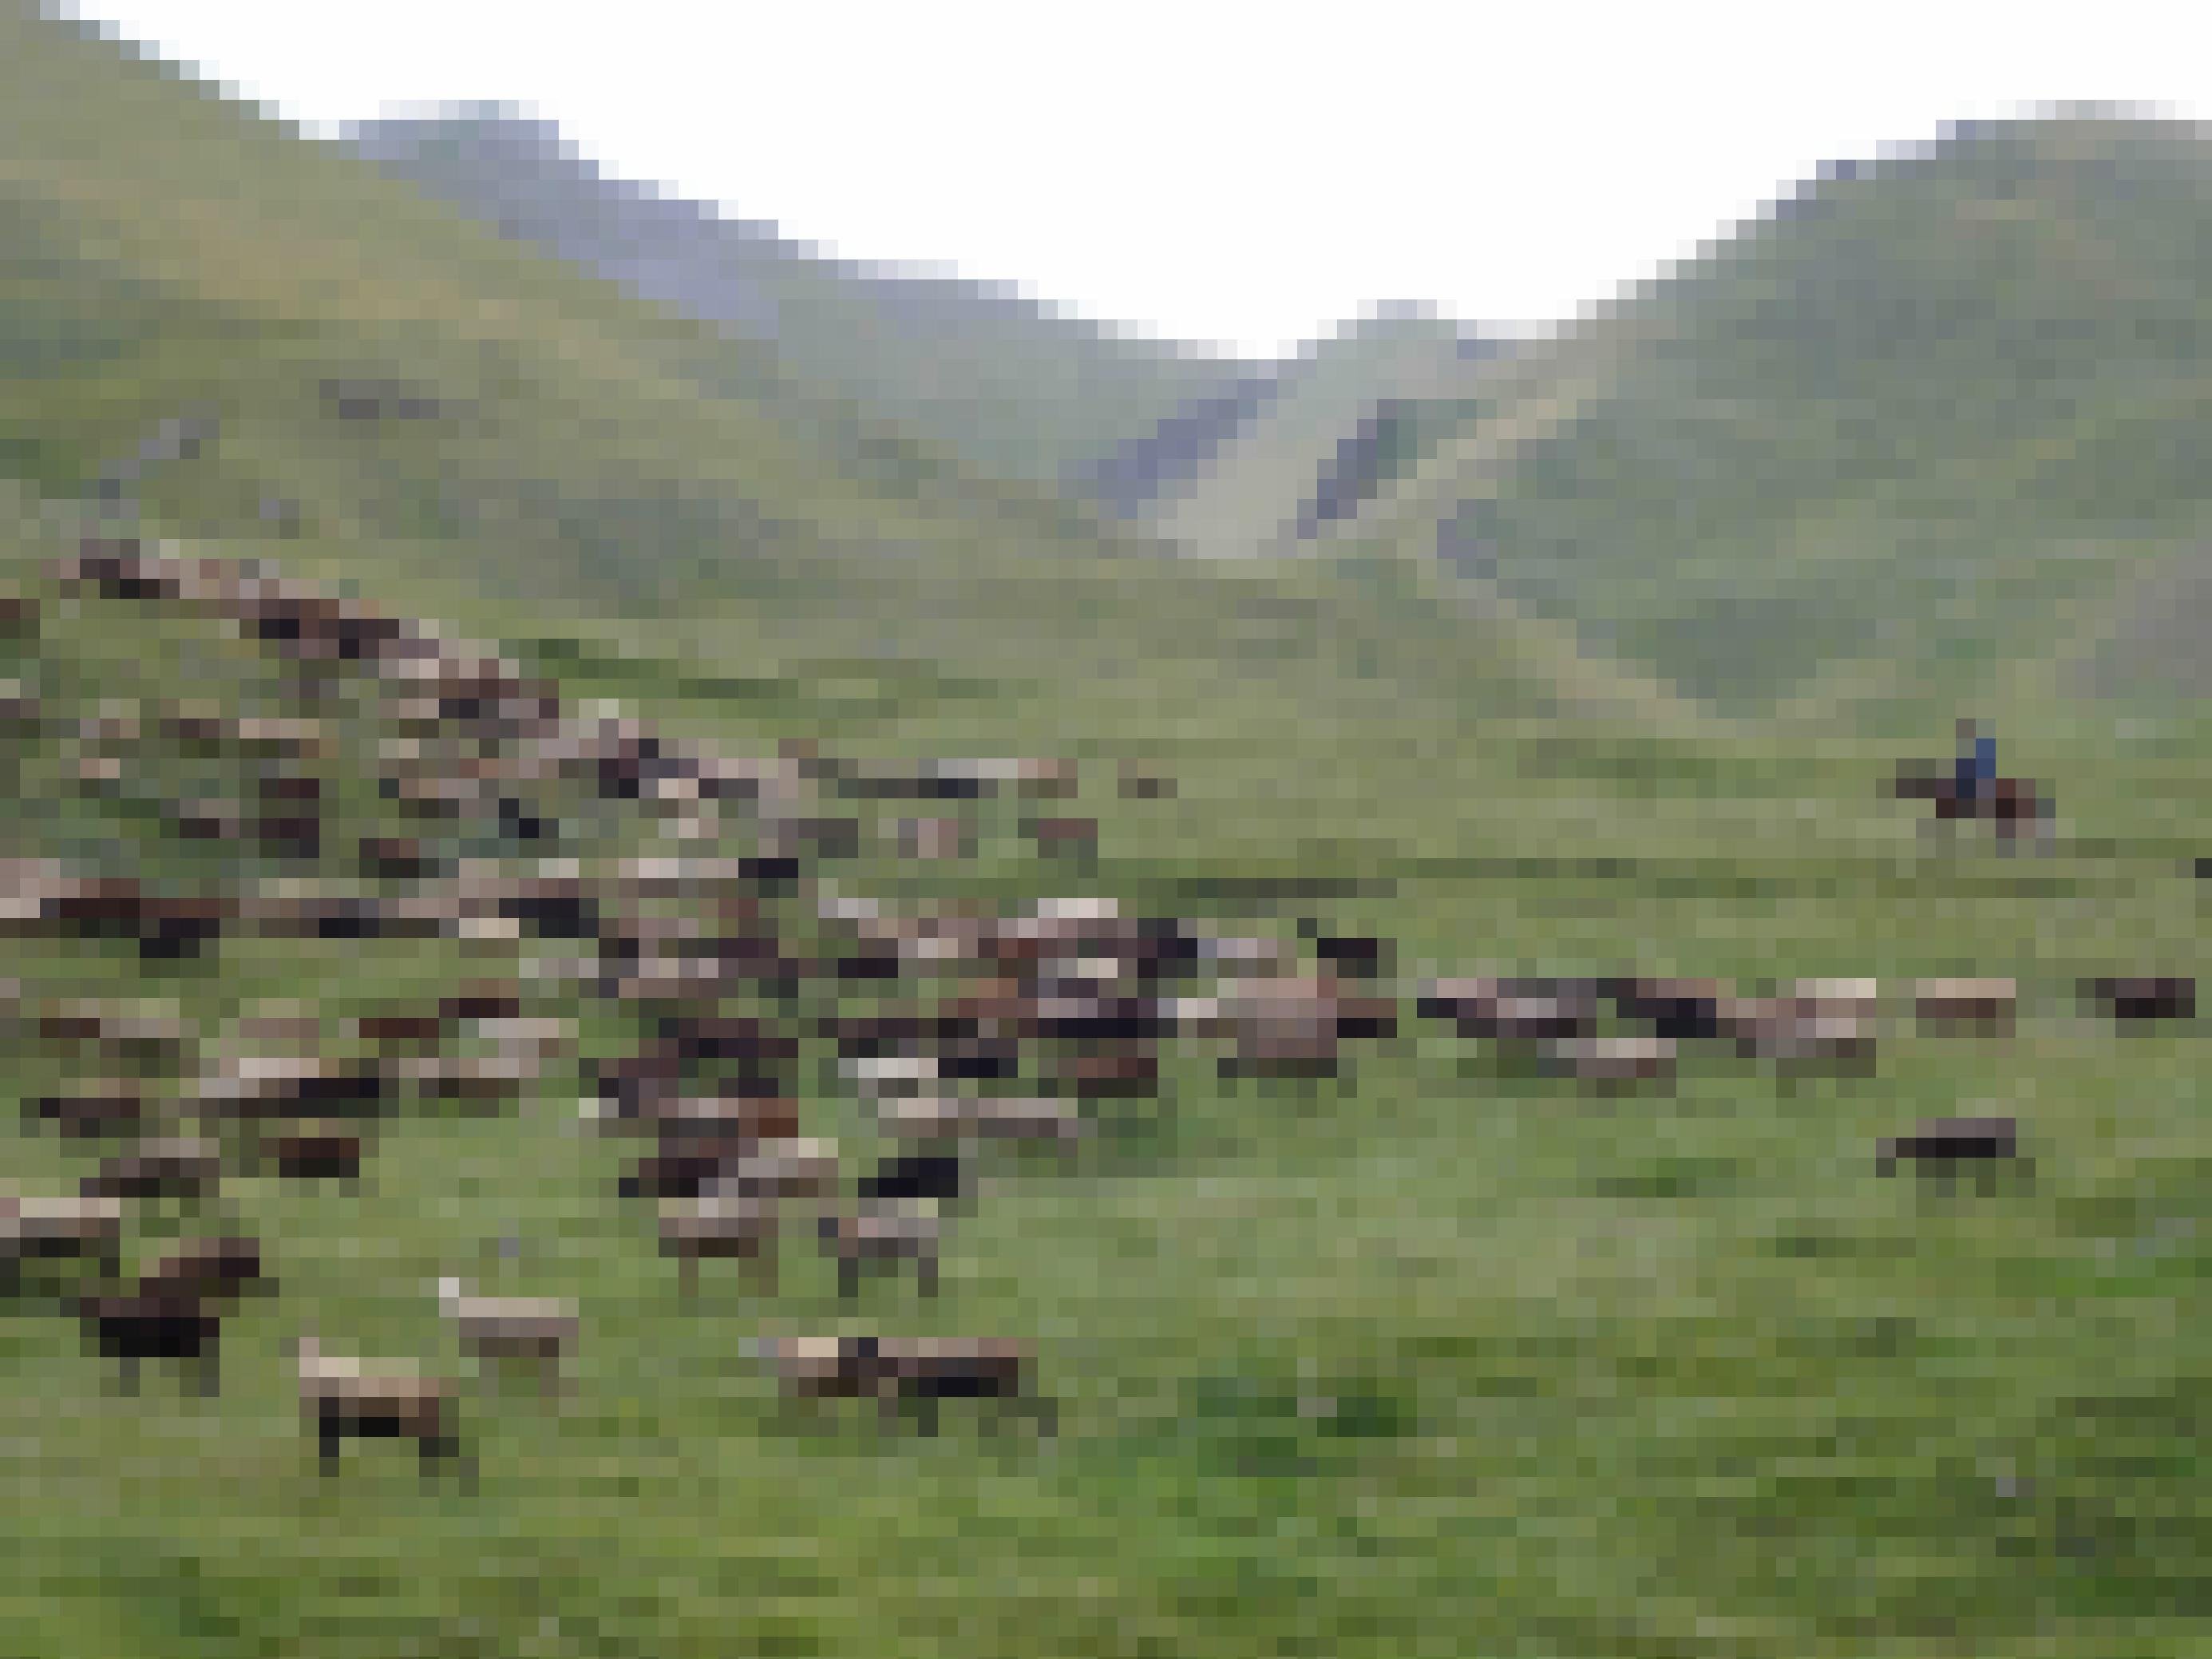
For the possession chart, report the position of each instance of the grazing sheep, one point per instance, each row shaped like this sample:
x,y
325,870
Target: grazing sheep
x,y
884,1237
162,1323
1795,1032
348,1396
1513,1010
211,1267
1614,1061
1678,1009
1986,1005
1943,1143
2135,999
972,1117
938,1176
539,1329
184,1169
319,1155
35,1228
687,1173
923,1370
891,1076
692,1119
93,1113
724,1226
805,1168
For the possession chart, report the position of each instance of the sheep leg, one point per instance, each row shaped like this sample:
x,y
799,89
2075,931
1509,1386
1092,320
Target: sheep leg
x,y
848,1277
926,1273
128,1366
211,1368
332,1437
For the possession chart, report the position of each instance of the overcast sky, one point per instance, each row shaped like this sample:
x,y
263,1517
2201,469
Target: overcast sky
x,y
1243,173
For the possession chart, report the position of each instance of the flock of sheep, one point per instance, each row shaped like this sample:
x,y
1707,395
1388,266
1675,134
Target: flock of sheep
x,y
678,941
1073,993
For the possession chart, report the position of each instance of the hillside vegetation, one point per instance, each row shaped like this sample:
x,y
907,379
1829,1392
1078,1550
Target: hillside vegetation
x,y
1928,430
1443,1354
1012,387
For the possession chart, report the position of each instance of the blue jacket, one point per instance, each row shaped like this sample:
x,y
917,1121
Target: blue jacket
x,y
1977,767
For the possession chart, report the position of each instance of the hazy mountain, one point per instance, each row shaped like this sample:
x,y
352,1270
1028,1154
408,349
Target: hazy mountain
x,y
1010,385
1346,415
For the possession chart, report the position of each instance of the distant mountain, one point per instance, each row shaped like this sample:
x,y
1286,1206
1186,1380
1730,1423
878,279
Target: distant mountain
x,y
1015,389
1336,423
1933,427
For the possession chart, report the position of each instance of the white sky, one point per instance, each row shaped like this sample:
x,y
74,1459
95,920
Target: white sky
x,y
1245,174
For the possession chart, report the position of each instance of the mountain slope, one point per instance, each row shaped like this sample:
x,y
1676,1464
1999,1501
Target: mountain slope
x,y
1337,423
376,367
1014,389
1923,428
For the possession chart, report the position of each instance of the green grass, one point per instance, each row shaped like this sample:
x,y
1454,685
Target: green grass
x,y
1448,1359
1922,432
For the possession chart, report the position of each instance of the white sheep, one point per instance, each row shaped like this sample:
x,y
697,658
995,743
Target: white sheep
x,y
983,1116
537,1328
382,1400
887,1235
39,1227
726,1226
803,1167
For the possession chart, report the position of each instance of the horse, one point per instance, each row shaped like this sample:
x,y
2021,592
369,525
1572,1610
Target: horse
x,y
2016,806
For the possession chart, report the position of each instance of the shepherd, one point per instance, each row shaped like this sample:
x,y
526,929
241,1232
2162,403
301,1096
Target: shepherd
x,y
1976,770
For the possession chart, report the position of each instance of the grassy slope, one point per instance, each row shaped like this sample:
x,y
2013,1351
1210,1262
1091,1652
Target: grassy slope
x,y
1937,423
1593,1368
1014,390
1249,498
1596,1370
166,249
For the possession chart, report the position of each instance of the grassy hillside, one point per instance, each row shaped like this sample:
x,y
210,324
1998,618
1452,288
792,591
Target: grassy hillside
x,y
1448,1357
1930,429
1443,1358
378,367
1343,419
1012,388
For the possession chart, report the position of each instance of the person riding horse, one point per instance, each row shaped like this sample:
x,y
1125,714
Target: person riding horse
x,y
1970,788
1976,772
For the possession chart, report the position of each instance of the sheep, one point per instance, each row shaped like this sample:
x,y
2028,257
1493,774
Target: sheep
x,y
1615,1059
537,1328
684,1174
322,1154
210,1267
155,1322
1513,1010
977,1117
921,1369
725,1227
805,1168
939,1177
1987,1005
48,1228
717,1117
93,1113
2129,1000
183,1168
1943,1143
886,1236
1678,1009
349,1396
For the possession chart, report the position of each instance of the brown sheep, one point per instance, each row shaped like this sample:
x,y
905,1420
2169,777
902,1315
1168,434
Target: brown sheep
x,y
185,1169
